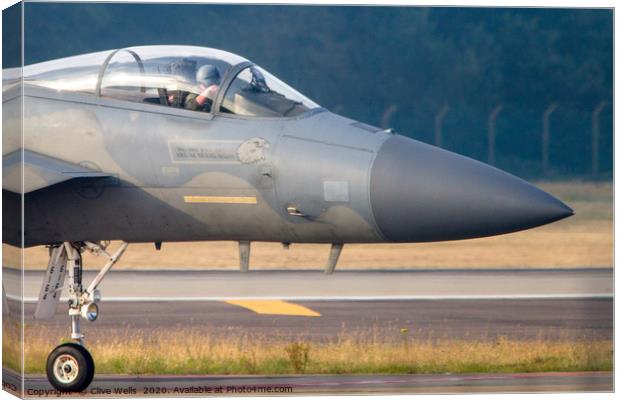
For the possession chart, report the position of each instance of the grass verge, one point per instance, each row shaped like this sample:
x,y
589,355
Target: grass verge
x,y
179,351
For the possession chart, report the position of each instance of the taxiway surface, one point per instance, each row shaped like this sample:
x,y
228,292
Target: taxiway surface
x,y
425,319
473,304
191,285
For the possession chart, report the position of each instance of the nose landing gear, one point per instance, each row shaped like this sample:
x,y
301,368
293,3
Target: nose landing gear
x,y
70,367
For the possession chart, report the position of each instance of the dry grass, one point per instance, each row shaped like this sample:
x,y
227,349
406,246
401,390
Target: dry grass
x,y
11,343
583,240
191,352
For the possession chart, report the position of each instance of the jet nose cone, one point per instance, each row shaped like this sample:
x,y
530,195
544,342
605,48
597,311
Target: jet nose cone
x,y
421,193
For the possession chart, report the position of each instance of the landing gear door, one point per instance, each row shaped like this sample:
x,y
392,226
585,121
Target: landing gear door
x,y
52,285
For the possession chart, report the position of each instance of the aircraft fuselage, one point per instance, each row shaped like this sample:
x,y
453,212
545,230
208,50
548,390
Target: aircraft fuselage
x,y
179,175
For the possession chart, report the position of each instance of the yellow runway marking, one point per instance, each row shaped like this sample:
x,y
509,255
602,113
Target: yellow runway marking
x,y
221,199
275,307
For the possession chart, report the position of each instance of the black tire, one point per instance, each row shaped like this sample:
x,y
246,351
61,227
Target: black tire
x,y
62,364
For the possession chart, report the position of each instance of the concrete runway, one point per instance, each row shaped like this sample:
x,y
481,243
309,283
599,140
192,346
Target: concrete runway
x,y
478,304
109,386
425,319
191,285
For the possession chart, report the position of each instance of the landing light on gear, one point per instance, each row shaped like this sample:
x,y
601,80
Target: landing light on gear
x,y
90,311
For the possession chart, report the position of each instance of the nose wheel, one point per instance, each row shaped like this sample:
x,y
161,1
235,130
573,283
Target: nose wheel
x,y
70,368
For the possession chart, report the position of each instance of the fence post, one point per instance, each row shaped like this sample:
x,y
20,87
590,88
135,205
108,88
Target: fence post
x,y
438,124
596,135
491,131
545,137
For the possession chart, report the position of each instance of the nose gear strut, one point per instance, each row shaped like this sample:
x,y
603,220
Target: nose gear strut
x,y
70,366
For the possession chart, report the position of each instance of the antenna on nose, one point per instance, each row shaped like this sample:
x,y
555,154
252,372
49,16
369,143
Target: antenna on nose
x,y
244,255
334,254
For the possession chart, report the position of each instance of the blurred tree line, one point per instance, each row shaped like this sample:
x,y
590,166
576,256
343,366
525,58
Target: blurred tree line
x,y
362,61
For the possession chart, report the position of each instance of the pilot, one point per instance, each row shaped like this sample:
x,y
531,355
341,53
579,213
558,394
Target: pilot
x,y
208,79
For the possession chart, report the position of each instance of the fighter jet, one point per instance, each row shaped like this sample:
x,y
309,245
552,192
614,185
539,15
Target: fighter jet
x,y
177,143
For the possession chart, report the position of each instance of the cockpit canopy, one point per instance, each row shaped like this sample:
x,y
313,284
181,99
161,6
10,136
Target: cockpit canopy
x,y
256,93
193,78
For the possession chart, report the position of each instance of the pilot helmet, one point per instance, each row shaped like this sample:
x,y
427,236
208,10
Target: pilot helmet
x,y
208,75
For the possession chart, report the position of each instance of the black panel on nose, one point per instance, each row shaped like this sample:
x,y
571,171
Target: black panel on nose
x,y
421,193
